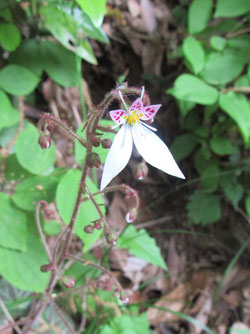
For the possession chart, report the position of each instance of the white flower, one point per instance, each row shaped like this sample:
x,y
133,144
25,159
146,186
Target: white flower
x,y
151,147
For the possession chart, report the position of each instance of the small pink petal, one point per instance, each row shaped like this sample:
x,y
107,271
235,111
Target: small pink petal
x,y
150,112
117,115
137,105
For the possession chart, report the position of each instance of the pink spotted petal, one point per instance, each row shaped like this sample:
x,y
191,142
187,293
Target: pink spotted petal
x,y
150,112
137,105
117,115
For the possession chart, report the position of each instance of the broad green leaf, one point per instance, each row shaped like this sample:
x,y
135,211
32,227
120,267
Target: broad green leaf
x,y
185,106
203,208
218,43
34,189
127,324
190,88
14,171
247,204
222,146
17,80
28,55
10,36
52,227
59,64
80,151
65,29
231,8
22,269
95,9
238,108
13,225
66,195
183,146
29,153
191,121
199,14
194,53
222,67
210,177
232,189
9,115
201,160
141,245
240,42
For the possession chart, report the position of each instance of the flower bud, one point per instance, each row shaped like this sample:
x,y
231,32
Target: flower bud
x,y
141,171
88,229
44,141
46,267
50,125
68,282
93,160
111,237
131,215
106,143
98,224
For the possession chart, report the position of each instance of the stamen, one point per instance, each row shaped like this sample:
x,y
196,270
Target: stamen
x,y
123,101
148,126
142,92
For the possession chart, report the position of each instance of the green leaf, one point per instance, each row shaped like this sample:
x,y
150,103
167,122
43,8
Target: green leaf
x,y
190,88
210,177
7,134
201,160
247,205
218,43
231,8
28,55
183,146
243,81
222,146
127,324
203,208
222,67
80,151
22,269
185,106
17,80
9,115
232,189
194,53
29,153
240,42
141,245
10,36
238,108
199,14
34,189
52,227
14,171
95,9
13,225
66,195
65,29
59,64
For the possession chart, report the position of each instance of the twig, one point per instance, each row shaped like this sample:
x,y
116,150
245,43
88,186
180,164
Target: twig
x,y
237,33
9,317
236,90
60,315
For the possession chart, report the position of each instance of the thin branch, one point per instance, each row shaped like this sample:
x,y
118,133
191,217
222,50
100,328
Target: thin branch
x,y
245,90
237,33
60,315
9,317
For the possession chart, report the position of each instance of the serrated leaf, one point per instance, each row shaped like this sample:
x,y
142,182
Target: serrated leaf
x,y
218,43
141,245
231,8
95,9
210,177
29,153
238,108
222,67
28,55
59,64
183,146
10,36
9,115
232,189
203,208
199,14
190,88
194,53
34,189
222,146
13,225
24,271
66,195
17,80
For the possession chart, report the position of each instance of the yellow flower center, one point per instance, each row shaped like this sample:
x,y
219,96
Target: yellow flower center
x,y
133,118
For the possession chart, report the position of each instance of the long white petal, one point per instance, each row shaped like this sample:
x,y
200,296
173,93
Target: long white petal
x,y
118,155
154,151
